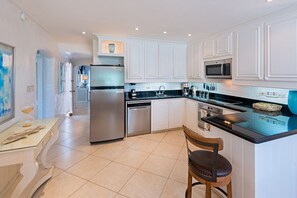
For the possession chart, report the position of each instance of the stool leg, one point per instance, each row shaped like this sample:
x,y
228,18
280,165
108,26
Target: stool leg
x,y
207,190
189,185
229,190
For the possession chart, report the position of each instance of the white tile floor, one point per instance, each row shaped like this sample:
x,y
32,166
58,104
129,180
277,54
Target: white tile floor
x,y
151,166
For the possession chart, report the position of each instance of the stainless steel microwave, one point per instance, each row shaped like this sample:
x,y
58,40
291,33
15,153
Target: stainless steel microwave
x,y
218,69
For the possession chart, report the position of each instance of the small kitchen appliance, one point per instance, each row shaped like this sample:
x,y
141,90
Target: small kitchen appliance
x,y
133,94
185,87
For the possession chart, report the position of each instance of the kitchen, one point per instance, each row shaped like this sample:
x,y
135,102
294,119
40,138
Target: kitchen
x,y
167,83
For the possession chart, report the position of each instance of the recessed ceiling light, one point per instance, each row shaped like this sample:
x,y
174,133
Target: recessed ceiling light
x,y
268,0
189,34
164,32
136,28
83,32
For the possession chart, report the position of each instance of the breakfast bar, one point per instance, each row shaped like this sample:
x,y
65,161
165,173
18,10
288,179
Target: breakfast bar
x,y
262,149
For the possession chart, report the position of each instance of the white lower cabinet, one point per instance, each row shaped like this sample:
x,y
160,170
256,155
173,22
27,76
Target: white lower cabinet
x,y
257,167
167,114
176,112
191,115
241,155
159,115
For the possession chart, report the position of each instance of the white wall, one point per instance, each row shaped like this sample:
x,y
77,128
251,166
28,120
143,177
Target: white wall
x,y
27,37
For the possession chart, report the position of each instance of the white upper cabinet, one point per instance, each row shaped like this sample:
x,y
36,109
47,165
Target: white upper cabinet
x,y
166,60
151,60
209,48
134,60
248,53
219,46
180,62
224,45
195,62
281,50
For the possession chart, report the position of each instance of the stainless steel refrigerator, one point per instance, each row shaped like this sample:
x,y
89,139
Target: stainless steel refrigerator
x,y
107,105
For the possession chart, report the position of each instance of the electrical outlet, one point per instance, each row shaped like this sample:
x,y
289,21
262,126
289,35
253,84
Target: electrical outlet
x,y
30,88
271,94
261,93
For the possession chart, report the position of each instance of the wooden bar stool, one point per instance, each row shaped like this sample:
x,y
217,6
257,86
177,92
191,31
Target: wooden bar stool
x,y
207,166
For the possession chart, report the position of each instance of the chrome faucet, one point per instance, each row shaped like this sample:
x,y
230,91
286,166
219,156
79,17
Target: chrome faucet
x,y
161,92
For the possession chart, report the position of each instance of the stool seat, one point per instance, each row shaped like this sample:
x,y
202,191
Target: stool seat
x,y
201,164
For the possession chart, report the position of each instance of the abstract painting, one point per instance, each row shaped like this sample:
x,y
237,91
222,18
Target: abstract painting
x,y
6,83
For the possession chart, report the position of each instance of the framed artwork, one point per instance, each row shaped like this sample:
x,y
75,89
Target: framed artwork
x,y
61,78
6,82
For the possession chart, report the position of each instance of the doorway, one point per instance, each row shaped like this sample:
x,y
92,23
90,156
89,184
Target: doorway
x,y
45,85
82,87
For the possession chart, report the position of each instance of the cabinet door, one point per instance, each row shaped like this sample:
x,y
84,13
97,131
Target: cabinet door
x,y
192,115
198,62
151,60
180,61
209,48
166,55
248,54
190,62
224,45
176,112
195,62
134,60
159,115
281,50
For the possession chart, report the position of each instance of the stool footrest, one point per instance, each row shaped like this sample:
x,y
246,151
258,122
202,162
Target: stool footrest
x,y
199,183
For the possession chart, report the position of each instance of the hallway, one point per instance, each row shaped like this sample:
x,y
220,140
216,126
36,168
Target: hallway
x,y
151,166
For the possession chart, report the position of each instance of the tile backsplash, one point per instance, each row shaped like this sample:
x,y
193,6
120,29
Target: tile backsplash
x,y
152,86
225,87
249,92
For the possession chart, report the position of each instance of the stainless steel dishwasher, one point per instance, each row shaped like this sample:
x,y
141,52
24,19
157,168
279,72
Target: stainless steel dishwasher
x,y
138,117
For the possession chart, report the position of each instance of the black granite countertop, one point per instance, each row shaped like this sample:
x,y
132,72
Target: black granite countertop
x,y
256,126
249,124
151,95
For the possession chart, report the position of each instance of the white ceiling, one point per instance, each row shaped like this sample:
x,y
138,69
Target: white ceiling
x,y
66,19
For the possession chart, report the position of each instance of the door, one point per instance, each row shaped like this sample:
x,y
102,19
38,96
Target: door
x,y
159,115
281,50
45,85
70,101
166,58
248,54
151,60
224,45
105,76
134,60
176,113
180,62
107,114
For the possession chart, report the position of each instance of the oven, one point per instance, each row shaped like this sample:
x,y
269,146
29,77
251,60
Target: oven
x,y
205,110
